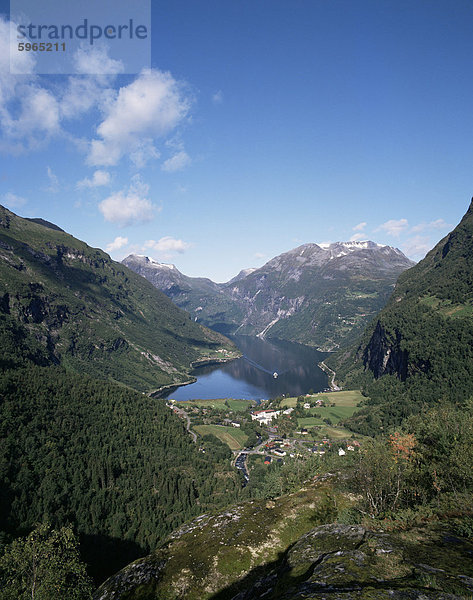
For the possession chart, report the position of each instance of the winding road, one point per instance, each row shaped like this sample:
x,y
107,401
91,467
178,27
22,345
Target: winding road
x,y
333,386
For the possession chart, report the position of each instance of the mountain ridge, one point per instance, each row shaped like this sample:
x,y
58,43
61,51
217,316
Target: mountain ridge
x,y
317,294
419,349
71,304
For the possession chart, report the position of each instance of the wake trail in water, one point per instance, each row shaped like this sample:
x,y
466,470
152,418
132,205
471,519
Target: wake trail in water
x,y
260,367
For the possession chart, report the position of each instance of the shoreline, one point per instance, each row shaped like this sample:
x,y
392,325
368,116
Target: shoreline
x,y
207,362
328,371
203,362
170,387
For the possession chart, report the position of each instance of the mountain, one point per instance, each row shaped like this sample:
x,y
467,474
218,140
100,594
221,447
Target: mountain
x,y
205,300
242,274
321,295
62,302
79,445
419,349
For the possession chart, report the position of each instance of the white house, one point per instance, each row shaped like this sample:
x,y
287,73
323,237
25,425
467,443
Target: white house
x,y
264,417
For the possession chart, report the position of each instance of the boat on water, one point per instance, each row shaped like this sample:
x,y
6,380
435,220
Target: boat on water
x,y
275,375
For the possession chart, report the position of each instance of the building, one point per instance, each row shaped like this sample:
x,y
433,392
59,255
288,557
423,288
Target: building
x,y
264,417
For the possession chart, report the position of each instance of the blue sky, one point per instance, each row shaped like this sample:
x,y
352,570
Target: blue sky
x,y
261,125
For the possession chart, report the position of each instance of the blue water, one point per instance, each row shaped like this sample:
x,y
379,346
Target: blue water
x,y
251,377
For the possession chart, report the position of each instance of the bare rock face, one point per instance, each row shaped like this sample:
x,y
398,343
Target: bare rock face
x,y
349,562
384,355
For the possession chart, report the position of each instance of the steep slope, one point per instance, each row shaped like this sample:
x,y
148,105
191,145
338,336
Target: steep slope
x,y
116,464
420,347
205,300
270,549
321,295
62,302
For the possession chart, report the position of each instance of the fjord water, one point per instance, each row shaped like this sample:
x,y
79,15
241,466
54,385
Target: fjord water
x,y
251,376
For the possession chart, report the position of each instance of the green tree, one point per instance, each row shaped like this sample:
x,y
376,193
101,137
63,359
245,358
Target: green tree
x,y
45,565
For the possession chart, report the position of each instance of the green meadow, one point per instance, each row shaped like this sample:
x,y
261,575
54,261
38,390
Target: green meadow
x,y
220,403
232,436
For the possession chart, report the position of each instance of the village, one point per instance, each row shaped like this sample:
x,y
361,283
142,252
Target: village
x,y
274,430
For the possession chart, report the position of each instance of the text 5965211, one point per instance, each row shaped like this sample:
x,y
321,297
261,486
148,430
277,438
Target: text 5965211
x,y
42,47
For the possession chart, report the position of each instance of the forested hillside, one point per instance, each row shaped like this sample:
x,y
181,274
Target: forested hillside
x,y
80,309
419,349
75,446
116,464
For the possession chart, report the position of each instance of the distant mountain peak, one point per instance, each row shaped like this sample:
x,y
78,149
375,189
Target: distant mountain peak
x,y
148,261
242,274
316,293
353,245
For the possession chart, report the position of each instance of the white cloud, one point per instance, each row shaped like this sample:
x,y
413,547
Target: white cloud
x,y
433,225
82,94
99,178
16,62
13,201
53,186
149,107
176,162
360,226
33,121
167,245
143,152
117,243
357,237
393,227
29,113
94,60
417,247
259,255
130,206
35,110
217,98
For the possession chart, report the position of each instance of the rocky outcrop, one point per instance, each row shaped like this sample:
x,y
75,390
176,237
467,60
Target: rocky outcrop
x,y
384,356
335,561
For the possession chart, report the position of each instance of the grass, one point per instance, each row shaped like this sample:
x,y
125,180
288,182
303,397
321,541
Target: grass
x,y
220,403
232,436
346,403
348,398
446,307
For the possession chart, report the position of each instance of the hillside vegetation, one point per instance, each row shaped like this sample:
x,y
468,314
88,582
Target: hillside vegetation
x,y
78,445
419,349
62,302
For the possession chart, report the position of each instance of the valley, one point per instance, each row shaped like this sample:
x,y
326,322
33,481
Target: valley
x,y
319,295
236,300
193,465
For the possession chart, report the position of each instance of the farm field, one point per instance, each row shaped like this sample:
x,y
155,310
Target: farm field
x,y
346,403
325,431
220,403
232,436
344,398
